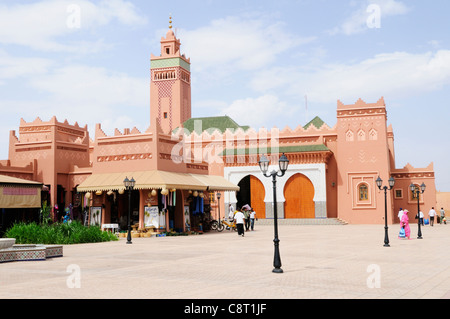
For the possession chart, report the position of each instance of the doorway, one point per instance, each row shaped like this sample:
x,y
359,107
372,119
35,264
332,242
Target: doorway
x,y
252,192
299,196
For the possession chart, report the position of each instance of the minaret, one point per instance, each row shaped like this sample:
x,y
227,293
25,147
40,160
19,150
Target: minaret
x,y
170,85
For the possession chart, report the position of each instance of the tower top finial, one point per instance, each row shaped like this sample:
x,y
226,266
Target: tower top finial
x,y
170,21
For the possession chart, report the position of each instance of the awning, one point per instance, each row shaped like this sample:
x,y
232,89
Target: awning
x,y
19,193
155,179
216,183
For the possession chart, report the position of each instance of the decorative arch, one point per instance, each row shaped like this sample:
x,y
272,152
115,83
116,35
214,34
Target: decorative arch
x,y
299,196
257,194
373,135
252,192
361,135
349,136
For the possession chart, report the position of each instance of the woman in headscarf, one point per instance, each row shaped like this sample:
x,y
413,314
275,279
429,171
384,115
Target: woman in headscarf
x,y
405,223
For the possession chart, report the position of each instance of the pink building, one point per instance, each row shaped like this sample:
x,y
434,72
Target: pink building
x,y
179,159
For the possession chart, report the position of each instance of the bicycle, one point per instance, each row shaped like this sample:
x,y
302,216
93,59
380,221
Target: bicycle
x,y
215,225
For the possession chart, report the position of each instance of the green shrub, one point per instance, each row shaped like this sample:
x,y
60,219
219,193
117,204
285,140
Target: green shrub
x,y
57,234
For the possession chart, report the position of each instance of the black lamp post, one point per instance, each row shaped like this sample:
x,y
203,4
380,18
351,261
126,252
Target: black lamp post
x,y
379,182
417,192
129,185
264,166
218,203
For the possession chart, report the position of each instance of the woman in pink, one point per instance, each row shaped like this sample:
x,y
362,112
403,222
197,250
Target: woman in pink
x,y
405,223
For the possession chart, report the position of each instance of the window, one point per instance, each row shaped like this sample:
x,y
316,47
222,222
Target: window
x,y
165,115
398,193
168,50
363,191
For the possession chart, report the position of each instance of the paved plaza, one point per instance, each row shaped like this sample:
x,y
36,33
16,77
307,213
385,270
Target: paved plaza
x,y
319,261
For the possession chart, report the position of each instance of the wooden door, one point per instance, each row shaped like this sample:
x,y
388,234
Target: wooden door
x,y
299,195
257,194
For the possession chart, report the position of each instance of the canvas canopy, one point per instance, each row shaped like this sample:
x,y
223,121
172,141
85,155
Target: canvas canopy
x,y
19,193
156,179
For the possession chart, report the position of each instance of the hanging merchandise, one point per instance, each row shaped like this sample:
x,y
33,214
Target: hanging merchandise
x,y
198,206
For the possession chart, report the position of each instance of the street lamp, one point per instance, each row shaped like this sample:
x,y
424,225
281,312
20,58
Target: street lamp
x,y
264,166
417,192
218,203
129,185
379,182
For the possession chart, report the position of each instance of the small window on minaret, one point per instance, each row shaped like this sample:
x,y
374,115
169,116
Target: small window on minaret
x,y
167,50
165,115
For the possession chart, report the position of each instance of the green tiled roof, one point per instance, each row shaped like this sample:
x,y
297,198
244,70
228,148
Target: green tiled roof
x,y
222,123
317,122
170,62
210,124
281,149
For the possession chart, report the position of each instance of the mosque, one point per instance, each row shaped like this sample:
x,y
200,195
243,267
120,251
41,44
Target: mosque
x,y
186,167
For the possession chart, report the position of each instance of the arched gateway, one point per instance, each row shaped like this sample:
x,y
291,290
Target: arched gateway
x,y
299,197
301,193
252,192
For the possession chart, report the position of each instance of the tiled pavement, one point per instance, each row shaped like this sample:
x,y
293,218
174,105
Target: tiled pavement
x,y
319,261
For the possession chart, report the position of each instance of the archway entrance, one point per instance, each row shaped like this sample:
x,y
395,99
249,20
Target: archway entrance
x,y
299,196
252,192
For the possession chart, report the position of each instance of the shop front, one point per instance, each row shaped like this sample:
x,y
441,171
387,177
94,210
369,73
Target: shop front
x,y
20,201
160,201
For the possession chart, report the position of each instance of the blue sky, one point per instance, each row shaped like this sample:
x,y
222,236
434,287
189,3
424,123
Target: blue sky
x,y
88,62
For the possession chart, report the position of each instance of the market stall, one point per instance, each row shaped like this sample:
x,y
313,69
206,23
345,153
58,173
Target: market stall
x,y
167,201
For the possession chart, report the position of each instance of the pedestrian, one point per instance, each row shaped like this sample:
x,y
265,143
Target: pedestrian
x,y
442,211
405,223
252,219
421,218
432,213
400,214
231,213
246,219
66,218
239,218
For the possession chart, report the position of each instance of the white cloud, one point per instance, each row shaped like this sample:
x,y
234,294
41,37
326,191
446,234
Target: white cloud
x,y
257,112
124,11
238,43
87,95
358,21
398,74
92,85
44,25
13,67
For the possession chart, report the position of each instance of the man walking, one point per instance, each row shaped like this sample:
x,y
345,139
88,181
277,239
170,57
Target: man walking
x,y
443,215
252,219
432,213
246,219
239,218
